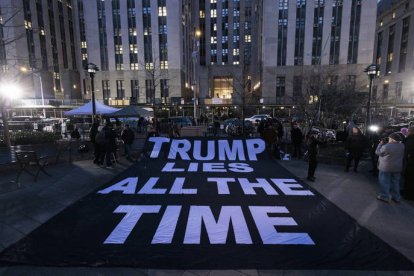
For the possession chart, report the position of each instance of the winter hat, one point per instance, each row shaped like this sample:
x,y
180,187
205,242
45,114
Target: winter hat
x,y
396,136
404,131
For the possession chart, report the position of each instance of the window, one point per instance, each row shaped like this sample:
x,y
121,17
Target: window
x,y
247,38
280,87
297,86
134,90
398,89
162,11
120,91
390,52
106,90
223,87
354,32
213,13
385,88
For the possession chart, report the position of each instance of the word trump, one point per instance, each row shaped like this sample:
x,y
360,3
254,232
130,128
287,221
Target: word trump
x,y
265,218
286,186
213,149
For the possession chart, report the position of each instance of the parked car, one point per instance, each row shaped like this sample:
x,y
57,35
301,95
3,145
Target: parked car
x,y
257,118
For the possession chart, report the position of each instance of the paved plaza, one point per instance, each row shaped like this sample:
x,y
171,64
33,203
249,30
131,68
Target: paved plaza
x,y
24,208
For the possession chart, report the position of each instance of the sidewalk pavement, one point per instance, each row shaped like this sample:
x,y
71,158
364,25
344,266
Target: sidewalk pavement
x,y
24,209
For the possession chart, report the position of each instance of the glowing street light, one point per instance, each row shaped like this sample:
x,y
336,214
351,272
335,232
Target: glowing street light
x,y
372,71
8,91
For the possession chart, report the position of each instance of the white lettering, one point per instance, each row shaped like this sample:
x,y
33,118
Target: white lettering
x,y
248,187
254,147
169,167
214,167
127,186
132,215
166,228
210,151
240,167
217,231
222,184
236,152
181,147
287,188
158,141
149,187
266,226
178,189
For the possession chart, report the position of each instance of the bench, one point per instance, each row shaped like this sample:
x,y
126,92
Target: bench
x,y
27,159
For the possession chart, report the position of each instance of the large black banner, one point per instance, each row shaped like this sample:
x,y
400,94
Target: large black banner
x,y
206,204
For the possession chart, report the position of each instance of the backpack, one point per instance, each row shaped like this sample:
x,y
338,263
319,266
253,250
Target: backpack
x,y
100,138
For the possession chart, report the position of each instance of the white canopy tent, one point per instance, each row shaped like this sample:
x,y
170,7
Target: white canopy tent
x,y
86,109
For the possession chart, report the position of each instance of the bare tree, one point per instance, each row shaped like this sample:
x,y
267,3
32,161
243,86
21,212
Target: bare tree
x,y
325,97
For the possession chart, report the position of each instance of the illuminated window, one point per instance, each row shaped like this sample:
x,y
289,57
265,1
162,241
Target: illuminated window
x,y
42,32
149,66
236,62
202,14
236,52
134,66
83,44
118,49
132,31
213,13
393,15
223,87
162,11
133,48
214,39
84,56
213,1
248,38
164,64
27,24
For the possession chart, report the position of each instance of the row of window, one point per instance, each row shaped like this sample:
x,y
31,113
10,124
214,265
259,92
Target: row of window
x,y
135,89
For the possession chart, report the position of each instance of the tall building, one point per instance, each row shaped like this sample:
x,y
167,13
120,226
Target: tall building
x,y
39,47
139,48
394,53
327,39
229,50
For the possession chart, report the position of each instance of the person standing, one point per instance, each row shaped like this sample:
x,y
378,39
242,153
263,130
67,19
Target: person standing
x,y
92,135
313,149
409,165
110,143
297,137
355,145
390,166
128,138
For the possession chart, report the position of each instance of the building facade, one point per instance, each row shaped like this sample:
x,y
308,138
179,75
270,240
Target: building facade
x,y
394,53
139,48
330,40
40,48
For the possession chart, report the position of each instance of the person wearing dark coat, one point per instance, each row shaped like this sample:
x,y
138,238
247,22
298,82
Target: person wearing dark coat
x,y
313,149
96,148
110,143
409,165
296,137
128,138
355,146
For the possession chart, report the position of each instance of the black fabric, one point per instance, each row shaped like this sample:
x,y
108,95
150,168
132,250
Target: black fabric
x,y
76,236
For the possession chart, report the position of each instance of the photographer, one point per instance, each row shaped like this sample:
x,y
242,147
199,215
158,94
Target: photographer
x,y
313,150
390,166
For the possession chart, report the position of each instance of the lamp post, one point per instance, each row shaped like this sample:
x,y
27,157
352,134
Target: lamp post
x,y
92,68
197,34
371,71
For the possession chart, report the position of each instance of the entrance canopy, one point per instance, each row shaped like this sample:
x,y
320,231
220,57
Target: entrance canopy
x,y
86,109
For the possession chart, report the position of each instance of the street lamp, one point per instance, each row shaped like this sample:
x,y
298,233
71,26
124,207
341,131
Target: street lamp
x,y
8,91
371,71
39,75
197,34
92,68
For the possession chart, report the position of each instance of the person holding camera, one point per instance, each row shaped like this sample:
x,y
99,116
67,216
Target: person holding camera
x,y
390,166
313,149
